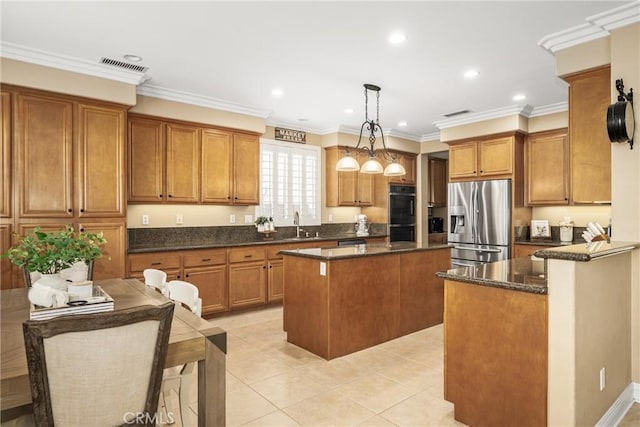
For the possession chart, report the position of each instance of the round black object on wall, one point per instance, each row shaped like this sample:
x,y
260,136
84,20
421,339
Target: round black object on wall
x,y
620,122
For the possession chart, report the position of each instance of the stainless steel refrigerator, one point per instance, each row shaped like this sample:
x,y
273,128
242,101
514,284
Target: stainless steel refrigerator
x,y
479,221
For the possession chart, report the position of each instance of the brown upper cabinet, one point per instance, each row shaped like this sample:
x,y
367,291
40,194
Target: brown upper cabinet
x,y
5,155
347,188
437,182
175,162
407,160
547,168
590,149
487,158
67,172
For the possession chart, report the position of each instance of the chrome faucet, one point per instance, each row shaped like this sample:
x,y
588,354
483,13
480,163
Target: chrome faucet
x,y
296,222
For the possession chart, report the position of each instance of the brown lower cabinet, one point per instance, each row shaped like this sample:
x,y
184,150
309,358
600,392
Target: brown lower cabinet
x,y
495,355
520,251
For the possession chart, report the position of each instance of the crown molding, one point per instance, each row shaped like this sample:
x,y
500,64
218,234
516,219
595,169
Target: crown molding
x,y
435,136
203,101
597,26
549,109
523,110
68,63
297,126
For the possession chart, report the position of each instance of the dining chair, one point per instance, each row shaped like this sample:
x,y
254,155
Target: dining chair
x,y
156,279
179,378
98,369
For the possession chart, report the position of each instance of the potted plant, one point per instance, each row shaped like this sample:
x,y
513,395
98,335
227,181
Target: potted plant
x,y
51,252
261,222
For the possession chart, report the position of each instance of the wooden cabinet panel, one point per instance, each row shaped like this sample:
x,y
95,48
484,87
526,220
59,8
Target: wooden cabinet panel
x,y
275,280
158,260
247,284
216,166
463,160
183,163
409,163
437,182
547,168
250,253
520,251
7,270
44,144
246,167
5,156
272,251
438,238
204,258
113,261
346,188
212,286
100,162
146,160
496,156
589,98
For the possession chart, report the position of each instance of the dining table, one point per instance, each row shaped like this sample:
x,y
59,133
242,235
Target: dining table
x,y
192,339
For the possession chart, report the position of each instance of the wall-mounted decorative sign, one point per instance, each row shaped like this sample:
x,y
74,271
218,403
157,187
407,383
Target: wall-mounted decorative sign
x,y
291,135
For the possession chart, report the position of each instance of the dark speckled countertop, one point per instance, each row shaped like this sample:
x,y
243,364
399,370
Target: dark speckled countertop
x,y
587,251
518,274
358,251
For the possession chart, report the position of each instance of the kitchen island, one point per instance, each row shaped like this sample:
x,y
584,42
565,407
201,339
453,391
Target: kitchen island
x,y
541,342
344,299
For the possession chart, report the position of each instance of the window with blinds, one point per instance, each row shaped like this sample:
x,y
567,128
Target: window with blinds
x,y
289,182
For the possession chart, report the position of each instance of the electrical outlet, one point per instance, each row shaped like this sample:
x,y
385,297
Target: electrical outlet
x,y
603,382
179,219
232,219
248,219
145,219
323,268
330,217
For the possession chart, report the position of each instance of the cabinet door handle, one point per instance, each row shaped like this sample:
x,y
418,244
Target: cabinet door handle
x,y
69,210
156,263
248,256
170,195
264,267
271,266
206,259
186,275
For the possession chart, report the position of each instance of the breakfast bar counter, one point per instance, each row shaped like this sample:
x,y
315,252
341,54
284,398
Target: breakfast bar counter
x,y
341,300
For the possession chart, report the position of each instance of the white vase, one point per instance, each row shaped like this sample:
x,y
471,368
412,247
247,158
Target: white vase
x,y
53,281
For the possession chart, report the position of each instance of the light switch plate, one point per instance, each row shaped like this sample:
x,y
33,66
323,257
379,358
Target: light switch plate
x,y
179,219
248,219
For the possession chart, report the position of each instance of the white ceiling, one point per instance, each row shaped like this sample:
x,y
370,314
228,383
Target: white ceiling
x,y
319,53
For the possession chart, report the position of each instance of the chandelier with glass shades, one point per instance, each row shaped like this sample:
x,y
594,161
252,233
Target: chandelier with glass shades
x,y
348,163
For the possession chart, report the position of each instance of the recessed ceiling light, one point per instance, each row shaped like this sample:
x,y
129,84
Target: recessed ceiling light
x,y
519,97
471,74
402,124
277,92
348,110
397,38
132,58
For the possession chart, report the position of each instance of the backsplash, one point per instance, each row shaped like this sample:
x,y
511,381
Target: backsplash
x,y
522,234
142,237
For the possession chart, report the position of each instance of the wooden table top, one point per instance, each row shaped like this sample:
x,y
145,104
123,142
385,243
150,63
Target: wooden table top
x,y
186,342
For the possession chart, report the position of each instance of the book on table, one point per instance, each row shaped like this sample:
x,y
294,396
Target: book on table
x,y
99,302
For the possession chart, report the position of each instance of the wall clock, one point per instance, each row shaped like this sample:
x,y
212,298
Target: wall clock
x,y
620,118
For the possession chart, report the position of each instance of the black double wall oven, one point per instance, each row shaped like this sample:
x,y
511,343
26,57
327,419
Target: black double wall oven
x,y
402,213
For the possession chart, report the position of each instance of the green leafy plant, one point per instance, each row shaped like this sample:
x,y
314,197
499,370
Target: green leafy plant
x,y
261,220
49,253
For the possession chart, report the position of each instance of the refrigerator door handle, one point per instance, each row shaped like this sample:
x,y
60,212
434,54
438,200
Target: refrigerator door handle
x,y
491,251
474,210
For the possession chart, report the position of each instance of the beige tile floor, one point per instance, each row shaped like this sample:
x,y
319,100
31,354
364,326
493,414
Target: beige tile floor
x,y
273,383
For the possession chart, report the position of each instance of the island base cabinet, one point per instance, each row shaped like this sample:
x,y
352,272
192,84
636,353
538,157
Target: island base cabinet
x,y
495,355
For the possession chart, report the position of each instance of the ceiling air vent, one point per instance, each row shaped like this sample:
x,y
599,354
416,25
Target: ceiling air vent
x,y
123,65
457,113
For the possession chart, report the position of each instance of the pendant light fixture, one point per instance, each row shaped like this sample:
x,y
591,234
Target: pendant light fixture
x,y
348,163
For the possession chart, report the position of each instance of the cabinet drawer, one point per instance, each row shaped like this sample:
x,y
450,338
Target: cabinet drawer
x,y
160,261
272,251
246,254
204,258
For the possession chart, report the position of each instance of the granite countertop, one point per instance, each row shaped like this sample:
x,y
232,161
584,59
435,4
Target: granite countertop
x,y
587,251
176,246
357,251
551,243
518,274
